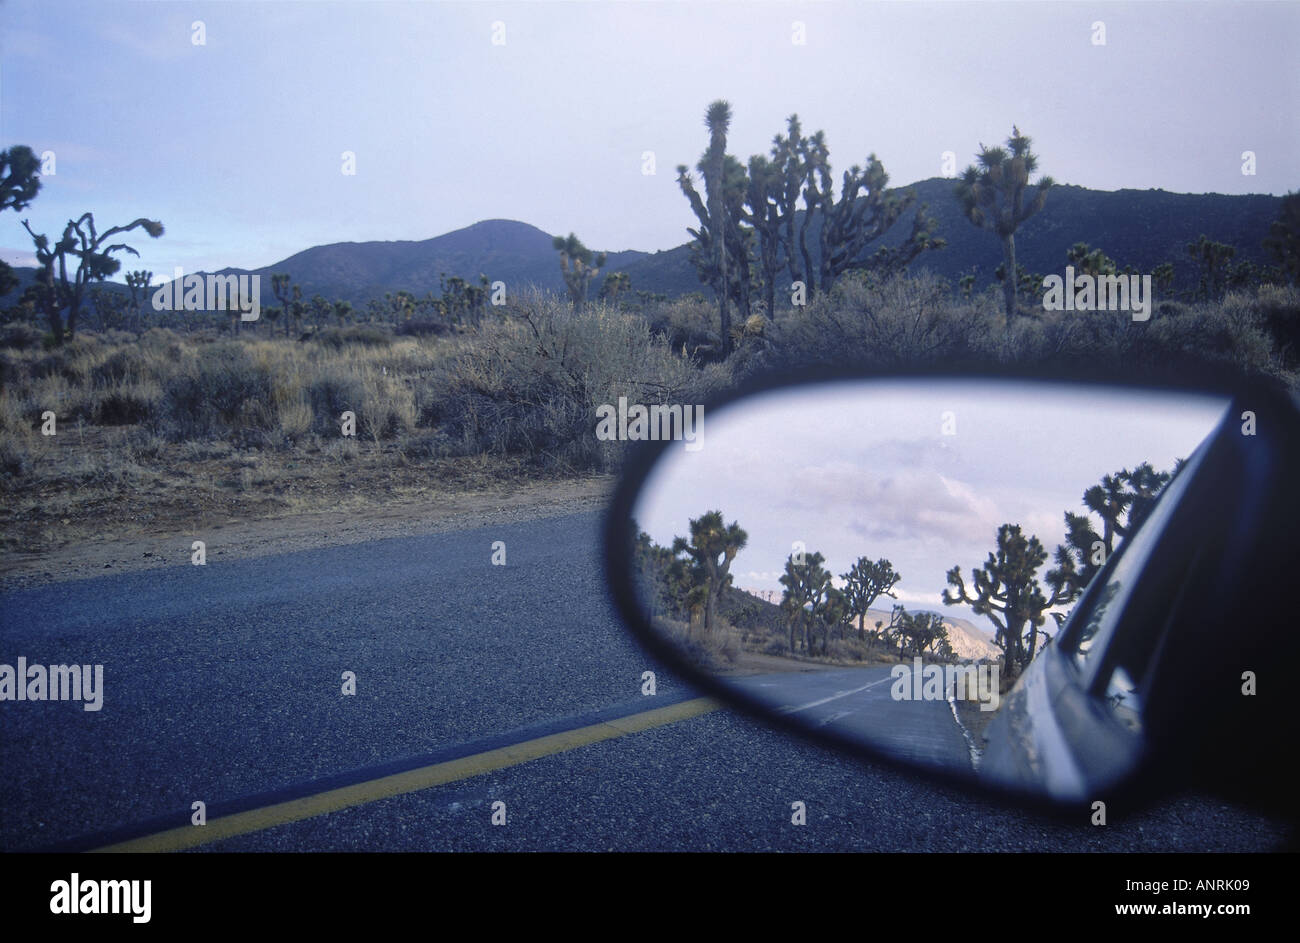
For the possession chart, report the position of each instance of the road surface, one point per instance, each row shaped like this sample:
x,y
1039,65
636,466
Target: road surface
x,y
475,685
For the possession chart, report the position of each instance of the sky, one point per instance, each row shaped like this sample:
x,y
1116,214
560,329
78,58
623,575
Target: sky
x,y
545,111
920,473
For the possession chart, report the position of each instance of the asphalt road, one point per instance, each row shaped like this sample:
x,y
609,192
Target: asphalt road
x,y
859,703
223,682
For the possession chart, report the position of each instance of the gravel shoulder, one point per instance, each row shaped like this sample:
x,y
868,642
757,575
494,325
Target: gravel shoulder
x,y
120,548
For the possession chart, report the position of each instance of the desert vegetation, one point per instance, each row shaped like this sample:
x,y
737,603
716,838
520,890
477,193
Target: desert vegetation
x,y
686,589
104,398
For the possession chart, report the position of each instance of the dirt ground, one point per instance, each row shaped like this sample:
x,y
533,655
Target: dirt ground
x,y
123,533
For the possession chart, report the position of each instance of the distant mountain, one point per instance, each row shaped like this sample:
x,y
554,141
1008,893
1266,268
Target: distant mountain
x,y
1139,227
503,249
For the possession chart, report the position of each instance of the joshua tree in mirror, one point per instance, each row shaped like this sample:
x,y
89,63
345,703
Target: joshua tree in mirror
x,y
864,584
918,631
832,612
711,548
59,290
996,195
1006,589
579,266
885,633
665,583
807,584
1121,501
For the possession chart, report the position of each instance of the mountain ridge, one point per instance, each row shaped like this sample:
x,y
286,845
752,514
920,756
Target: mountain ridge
x,y
1139,227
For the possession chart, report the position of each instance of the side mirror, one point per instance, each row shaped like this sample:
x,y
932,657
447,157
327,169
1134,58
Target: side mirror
x,y
1013,583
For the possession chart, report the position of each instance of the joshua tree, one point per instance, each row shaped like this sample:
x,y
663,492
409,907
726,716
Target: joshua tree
x,y
1212,263
997,196
720,252
1283,239
19,177
807,584
921,629
1163,275
81,240
19,183
578,266
864,211
289,296
1006,589
1089,261
832,611
138,284
1121,501
615,284
763,212
864,584
718,120
711,548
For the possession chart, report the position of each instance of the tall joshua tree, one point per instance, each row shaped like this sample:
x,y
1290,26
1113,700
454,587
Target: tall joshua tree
x,y
807,584
711,548
996,194
718,120
579,265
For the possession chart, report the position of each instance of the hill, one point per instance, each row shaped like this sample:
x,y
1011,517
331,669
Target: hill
x,y
1139,227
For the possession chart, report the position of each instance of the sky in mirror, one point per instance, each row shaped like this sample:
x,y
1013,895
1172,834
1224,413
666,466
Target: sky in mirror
x,y
870,469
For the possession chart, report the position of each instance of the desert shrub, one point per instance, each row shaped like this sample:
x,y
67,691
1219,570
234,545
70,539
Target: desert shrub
x,y
688,323
163,340
121,365
218,391
1279,307
530,385
331,394
364,335
123,407
422,328
901,320
14,462
21,337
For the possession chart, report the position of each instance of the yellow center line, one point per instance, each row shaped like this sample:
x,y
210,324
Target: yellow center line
x,y
437,774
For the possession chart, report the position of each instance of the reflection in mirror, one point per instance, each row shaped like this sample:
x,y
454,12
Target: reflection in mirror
x,y
884,559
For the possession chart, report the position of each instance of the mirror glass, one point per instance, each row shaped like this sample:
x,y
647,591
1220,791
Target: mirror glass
x,y
843,554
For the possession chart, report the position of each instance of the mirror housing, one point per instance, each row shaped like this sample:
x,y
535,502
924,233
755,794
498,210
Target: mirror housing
x,y
1199,726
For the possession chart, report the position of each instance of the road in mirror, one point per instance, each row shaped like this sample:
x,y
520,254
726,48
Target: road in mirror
x,y
829,550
